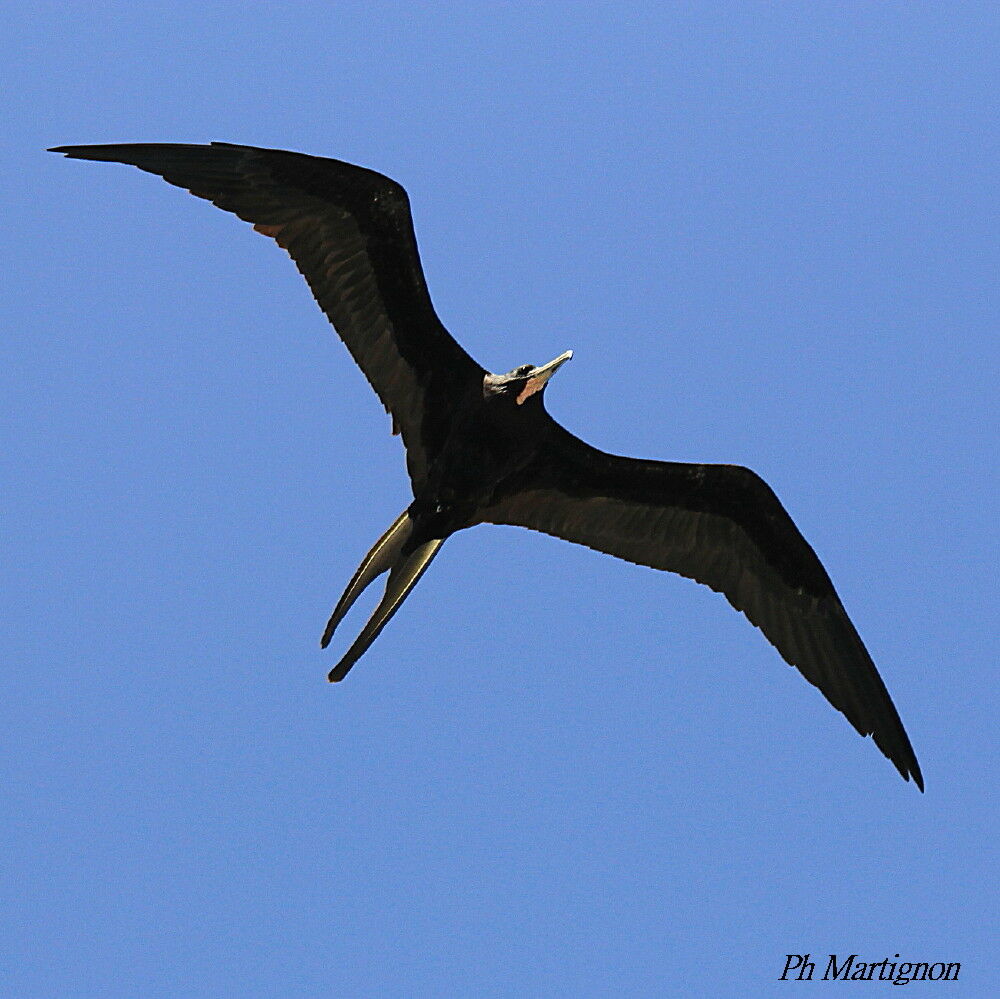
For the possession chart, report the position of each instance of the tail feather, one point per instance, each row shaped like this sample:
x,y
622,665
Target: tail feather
x,y
381,558
402,578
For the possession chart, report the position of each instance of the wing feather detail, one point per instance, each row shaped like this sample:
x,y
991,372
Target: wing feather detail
x,y
350,233
722,526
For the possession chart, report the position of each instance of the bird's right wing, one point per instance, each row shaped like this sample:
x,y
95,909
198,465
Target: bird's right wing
x,y
350,233
722,526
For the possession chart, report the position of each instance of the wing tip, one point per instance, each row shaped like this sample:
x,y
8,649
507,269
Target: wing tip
x,y
85,152
905,761
105,153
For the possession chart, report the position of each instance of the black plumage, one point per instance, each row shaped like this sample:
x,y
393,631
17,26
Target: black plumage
x,y
481,448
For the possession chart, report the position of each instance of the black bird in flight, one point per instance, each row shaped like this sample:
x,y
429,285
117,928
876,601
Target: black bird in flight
x,y
480,447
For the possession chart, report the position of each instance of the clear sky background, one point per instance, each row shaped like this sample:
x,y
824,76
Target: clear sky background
x,y
770,234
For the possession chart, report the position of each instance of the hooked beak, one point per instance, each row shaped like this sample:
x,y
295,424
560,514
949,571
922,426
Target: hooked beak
x,y
541,375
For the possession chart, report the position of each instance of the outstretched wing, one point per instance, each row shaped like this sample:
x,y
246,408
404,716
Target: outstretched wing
x,y
350,233
722,526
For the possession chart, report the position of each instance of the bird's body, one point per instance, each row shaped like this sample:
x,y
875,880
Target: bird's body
x,y
481,448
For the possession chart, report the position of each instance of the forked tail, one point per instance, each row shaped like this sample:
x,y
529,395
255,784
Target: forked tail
x,y
405,568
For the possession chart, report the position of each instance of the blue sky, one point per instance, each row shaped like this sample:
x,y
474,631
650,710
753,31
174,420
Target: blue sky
x,y
768,232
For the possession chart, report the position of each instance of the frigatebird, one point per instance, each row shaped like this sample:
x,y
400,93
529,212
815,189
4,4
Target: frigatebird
x,y
481,448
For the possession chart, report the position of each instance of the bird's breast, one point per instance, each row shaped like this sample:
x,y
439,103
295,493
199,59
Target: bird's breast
x,y
477,458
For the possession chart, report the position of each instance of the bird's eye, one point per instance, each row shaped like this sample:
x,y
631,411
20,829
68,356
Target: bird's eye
x,y
525,369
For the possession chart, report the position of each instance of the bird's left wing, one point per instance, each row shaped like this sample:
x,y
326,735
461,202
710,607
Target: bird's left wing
x,y
722,526
350,233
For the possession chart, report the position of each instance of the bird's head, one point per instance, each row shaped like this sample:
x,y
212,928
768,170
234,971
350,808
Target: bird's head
x,y
519,385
